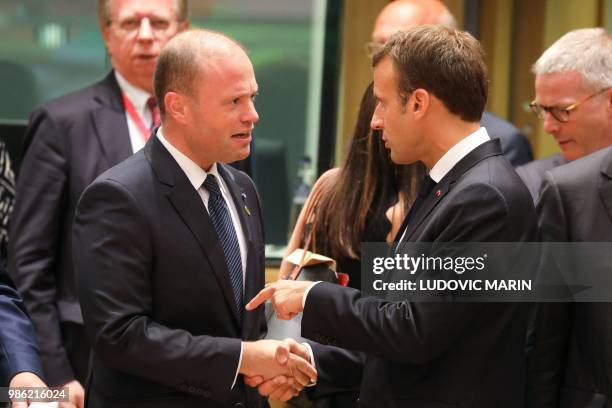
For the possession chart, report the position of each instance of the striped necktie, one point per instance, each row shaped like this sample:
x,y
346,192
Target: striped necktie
x,y
222,221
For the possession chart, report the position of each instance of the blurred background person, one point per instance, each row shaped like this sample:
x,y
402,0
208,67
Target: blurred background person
x,y
7,199
69,142
401,15
573,97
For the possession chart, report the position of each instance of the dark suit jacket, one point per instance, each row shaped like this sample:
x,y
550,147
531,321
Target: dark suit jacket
x,y
18,348
69,142
154,289
437,354
532,173
514,143
571,361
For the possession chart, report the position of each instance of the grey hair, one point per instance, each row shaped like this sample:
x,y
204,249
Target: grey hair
x,y
587,51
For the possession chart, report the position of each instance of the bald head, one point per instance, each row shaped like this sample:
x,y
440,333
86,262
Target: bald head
x,y
186,58
401,15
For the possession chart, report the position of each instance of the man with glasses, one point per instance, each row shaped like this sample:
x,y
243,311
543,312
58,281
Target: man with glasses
x,y
573,89
570,344
401,15
69,142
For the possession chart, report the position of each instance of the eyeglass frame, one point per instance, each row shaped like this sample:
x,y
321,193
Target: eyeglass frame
x,y
131,31
540,110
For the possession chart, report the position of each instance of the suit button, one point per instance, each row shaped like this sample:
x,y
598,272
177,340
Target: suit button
x,y
206,393
191,389
199,391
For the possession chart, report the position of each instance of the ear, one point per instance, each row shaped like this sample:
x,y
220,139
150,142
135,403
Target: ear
x,y
183,25
105,31
177,107
419,102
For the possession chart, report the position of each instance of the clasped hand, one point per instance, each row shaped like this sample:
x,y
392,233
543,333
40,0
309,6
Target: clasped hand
x,y
279,369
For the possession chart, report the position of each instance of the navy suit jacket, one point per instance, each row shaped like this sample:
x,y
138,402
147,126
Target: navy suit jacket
x,y
154,287
435,354
19,351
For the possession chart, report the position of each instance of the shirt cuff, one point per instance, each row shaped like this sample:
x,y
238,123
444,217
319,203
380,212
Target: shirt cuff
x,y
304,301
239,363
312,359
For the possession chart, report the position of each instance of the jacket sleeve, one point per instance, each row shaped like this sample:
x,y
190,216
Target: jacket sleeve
x,y
17,340
549,324
34,244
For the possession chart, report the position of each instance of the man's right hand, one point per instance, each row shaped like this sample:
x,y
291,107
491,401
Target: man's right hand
x,y
76,395
281,388
271,359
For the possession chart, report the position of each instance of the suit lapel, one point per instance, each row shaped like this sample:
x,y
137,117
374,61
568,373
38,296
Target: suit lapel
x,y
605,184
109,122
188,204
487,149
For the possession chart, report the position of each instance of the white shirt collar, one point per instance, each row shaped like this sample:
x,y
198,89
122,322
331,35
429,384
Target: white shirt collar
x,y
137,96
194,173
458,152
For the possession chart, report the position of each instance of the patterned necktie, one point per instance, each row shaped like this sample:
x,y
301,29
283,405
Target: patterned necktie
x,y
155,117
222,221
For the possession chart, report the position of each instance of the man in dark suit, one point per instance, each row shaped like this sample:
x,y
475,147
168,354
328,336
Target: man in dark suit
x,y
404,14
19,361
570,361
168,243
69,142
431,88
572,87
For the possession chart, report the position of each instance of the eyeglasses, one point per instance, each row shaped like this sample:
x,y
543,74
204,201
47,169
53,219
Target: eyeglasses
x,y
130,26
560,114
372,48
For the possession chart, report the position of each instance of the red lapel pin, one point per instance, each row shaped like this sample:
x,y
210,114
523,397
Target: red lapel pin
x,y
438,193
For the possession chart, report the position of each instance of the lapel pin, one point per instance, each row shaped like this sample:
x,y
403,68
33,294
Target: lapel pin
x,y
438,193
244,197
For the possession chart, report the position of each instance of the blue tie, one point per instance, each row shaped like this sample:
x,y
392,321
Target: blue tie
x,y
222,221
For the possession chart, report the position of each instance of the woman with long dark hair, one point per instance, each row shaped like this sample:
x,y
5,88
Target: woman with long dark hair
x,y
365,200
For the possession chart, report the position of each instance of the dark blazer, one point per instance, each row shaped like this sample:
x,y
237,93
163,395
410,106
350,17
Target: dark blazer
x,y
515,145
154,289
571,361
437,354
532,173
69,142
18,348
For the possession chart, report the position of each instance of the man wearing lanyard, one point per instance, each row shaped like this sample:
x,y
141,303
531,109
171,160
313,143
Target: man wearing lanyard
x,y
69,142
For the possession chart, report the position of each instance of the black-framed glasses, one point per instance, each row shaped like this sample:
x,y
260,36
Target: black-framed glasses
x,y
560,114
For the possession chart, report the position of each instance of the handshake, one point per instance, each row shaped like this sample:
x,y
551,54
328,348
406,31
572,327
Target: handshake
x,y
279,369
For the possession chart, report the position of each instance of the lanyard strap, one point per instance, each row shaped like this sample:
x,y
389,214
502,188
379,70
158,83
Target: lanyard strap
x,y
136,118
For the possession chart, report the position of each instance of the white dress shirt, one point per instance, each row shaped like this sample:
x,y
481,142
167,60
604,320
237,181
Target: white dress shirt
x,y
139,99
196,176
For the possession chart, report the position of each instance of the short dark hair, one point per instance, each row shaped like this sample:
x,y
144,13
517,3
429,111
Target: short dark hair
x,y
446,62
182,12
182,62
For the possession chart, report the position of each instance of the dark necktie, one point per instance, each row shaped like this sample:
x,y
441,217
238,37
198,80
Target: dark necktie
x,y
426,186
222,221
155,116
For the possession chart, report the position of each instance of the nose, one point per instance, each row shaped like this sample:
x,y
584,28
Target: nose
x,y
250,115
145,31
377,122
551,125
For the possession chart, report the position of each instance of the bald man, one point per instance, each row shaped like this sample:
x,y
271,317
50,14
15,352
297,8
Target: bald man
x,y
169,243
400,15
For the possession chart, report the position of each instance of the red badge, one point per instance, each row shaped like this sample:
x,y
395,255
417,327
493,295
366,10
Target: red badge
x,y
438,193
